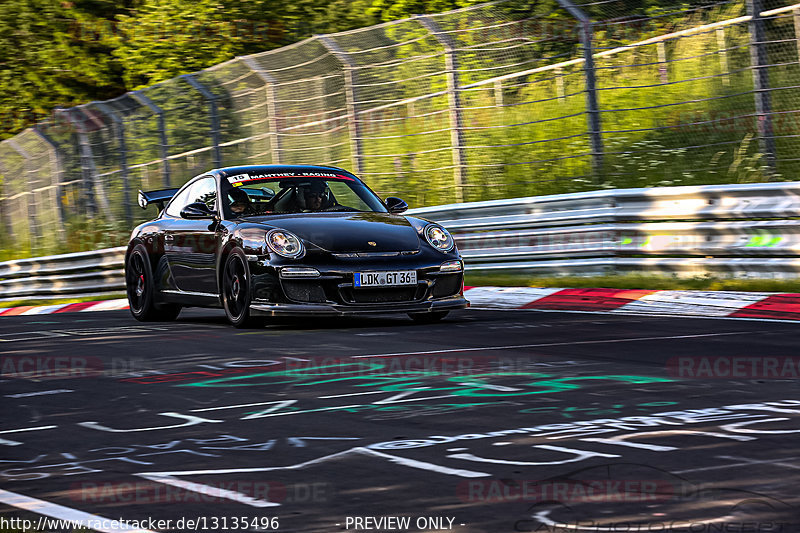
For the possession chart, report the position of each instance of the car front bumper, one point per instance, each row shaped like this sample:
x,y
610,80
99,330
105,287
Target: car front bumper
x,y
328,309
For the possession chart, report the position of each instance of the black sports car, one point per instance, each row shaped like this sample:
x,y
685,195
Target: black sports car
x,y
288,240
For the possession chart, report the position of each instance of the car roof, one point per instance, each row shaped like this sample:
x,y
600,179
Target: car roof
x,y
260,169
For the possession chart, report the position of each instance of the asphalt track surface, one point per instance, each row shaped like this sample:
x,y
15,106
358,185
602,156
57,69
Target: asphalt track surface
x,y
491,421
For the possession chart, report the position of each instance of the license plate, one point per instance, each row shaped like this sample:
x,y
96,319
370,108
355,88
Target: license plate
x,y
385,279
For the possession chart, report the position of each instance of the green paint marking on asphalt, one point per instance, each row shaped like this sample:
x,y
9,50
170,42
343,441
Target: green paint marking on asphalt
x,y
378,375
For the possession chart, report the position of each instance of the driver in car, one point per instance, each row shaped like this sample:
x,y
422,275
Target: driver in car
x,y
240,202
315,195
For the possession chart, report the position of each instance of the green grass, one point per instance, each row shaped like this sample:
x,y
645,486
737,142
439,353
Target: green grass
x,y
634,281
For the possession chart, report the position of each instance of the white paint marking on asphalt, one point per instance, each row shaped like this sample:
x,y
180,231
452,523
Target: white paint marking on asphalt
x,y
283,402
352,451
749,462
253,469
424,465
213,492
38,428
397,397
547,344
778,462
31,336
353,394
261,415
39,393
300,442
59,512
543,517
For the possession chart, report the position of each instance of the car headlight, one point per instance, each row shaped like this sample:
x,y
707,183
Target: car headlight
x,y
439,238
285,244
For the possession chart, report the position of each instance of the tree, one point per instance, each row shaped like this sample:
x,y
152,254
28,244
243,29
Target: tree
x,y
50,56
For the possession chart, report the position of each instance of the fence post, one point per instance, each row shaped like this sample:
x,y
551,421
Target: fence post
x,y
272,110
796,18
592,107
6,217
88,170
5,212
119,126
454,103
94,181
59,174
760,63
351,95
321,96
213,112
162,132
663,70
499,97
33,223
722,45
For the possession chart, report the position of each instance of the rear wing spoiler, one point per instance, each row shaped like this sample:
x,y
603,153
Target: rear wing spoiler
x,y
159,198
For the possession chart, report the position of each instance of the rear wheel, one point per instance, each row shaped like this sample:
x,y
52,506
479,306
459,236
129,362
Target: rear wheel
x,y
139,284
236,291
428,318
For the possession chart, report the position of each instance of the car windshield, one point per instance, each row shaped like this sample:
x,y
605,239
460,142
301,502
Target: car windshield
x,y
298,192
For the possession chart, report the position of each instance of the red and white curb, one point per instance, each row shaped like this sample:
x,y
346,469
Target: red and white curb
x,y
761,305
105,305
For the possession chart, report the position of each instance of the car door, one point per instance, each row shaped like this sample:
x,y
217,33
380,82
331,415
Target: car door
x,y
190,245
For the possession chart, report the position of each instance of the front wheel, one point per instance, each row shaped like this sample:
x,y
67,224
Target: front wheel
x,y
139,284
428,318
236,291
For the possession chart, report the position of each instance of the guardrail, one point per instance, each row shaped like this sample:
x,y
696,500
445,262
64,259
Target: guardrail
x,y
745,230
93,273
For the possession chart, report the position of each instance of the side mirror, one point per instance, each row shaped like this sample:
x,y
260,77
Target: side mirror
x,y
197,210
396,205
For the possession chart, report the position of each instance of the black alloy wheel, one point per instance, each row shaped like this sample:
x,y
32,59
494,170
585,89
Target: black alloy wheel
x,y
236,291
139,286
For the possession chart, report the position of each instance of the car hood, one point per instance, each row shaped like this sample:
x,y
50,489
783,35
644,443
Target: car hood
x,y
351,232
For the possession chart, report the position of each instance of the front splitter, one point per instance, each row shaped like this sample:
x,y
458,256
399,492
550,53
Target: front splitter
x,y
283,309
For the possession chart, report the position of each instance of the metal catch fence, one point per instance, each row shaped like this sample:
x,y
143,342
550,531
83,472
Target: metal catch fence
x,y
498,100
744,231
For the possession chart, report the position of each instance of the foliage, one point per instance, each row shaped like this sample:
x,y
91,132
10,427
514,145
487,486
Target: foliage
x,y
45,62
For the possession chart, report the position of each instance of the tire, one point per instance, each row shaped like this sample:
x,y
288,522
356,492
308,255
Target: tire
x,y
428,318
235,288
139,285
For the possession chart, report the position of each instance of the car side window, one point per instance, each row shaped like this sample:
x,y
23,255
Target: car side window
x,y
203,190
